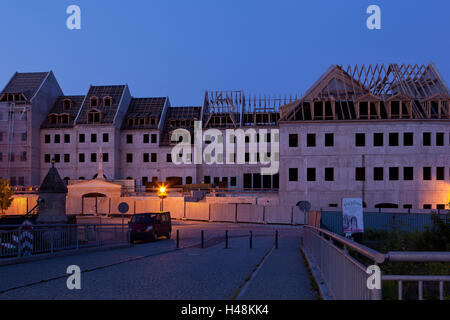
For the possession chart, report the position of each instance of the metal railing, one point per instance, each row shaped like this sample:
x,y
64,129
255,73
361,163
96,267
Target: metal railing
x,y
20,241
346,278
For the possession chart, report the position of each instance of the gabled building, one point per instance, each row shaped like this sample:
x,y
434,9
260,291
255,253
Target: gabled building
x,y
24,104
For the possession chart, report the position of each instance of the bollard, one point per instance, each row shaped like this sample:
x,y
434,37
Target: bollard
x,y
178,239
251,240
226,239
203,239
276,239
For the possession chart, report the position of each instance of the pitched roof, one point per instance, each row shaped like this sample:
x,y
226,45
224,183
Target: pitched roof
x,y
26,83
100,92
178,113
144,108
58,108
53,183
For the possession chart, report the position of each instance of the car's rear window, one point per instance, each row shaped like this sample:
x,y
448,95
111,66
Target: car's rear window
x,y
143,218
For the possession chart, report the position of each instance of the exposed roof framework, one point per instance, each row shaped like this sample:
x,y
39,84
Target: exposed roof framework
x,y
231,109
374,92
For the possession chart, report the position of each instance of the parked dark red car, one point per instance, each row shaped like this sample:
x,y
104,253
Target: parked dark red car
x,y
150,226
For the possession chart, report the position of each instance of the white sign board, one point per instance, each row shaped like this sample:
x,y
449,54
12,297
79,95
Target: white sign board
x,y
352,210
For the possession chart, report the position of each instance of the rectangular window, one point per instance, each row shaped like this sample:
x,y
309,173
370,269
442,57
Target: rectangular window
x,y
293,140
146,157
57,138
66,158
393,173
23,156
146,138
21,181
207,179
47,138
1,157
154,138
329,174
378,174
440,173
82,138
440,206
408,173
47,158
169,158
427,206
105,157
293,174
393,139
93,157
129,157
1,137
408,139
440,139
57,158
24,136
105,138
378,139
311,140
329,140
311,174
129,138
360,174
67,138
81,157
427,139
360,140
427,173
154,157
93,138
233,182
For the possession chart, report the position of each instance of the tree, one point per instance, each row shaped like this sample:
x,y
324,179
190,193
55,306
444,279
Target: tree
x,y
6,196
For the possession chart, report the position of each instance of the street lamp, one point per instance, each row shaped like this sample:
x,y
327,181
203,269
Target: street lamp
x,y
162,194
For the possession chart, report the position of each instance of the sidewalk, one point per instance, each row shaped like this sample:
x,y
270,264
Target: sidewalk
x,y
283,275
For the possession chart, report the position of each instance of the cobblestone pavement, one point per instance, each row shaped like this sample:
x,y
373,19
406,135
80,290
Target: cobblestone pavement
x,y
161,271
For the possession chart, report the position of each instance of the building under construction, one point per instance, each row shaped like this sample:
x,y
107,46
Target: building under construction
x,y
380,132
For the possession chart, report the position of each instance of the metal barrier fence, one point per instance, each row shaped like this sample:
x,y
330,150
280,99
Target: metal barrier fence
x,y
332,220
346,278
19,241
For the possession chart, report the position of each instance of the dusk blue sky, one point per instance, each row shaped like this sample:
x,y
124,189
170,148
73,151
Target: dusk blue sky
x,y
180,48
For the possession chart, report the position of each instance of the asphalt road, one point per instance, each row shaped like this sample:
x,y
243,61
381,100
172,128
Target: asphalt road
x,y
160,271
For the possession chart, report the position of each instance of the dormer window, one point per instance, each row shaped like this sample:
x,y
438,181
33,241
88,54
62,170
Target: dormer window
x,y
107,101
52,118
67,104
94,116
65,118
94,102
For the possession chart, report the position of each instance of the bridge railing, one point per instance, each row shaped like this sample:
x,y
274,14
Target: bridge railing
x,y
345,278
20,241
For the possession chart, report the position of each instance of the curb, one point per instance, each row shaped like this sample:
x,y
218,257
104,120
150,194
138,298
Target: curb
x,y
12,261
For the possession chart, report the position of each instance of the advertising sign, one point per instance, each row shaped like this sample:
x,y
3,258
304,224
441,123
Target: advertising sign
x,y
352,210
